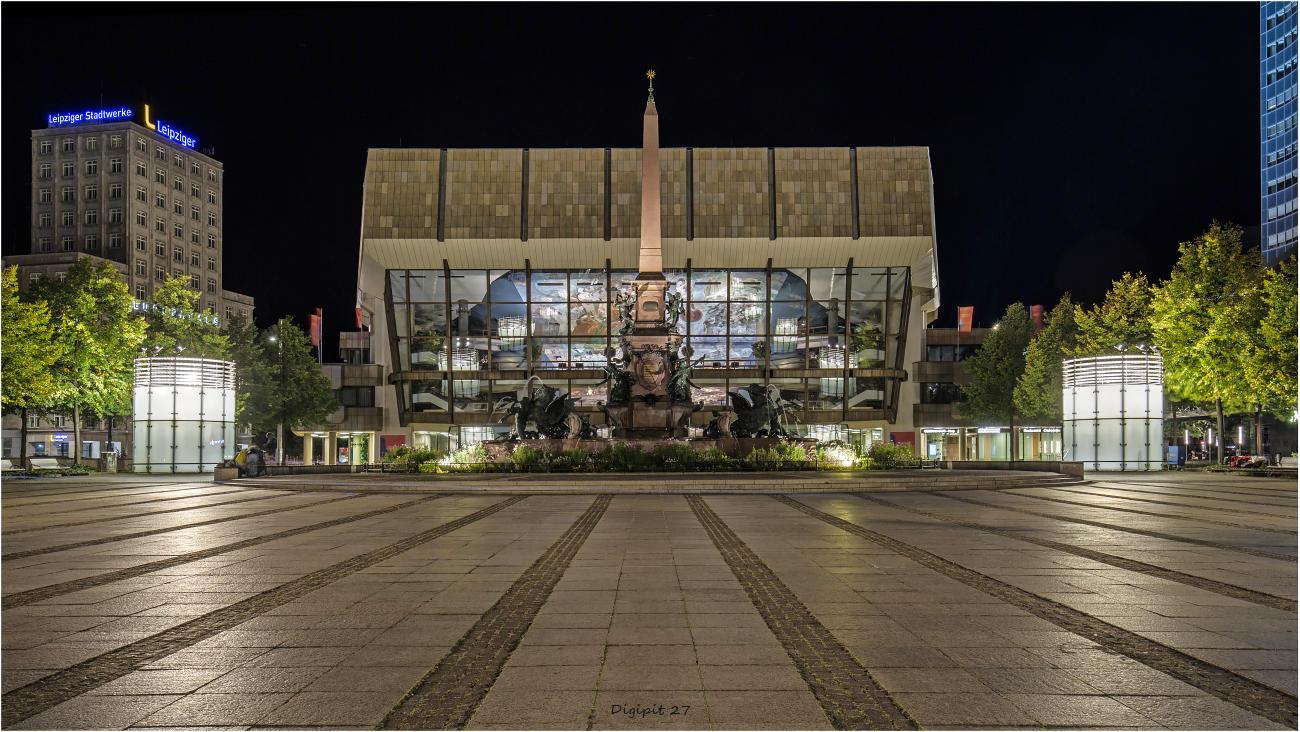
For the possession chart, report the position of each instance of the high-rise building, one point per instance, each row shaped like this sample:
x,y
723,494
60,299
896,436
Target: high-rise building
x,y
105,186
1277,129
138,195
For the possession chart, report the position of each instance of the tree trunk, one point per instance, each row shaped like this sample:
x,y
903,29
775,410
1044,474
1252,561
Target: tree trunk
x,y
1173,418
1218,431
1012,436
110,433
22,447
76,434
1259,429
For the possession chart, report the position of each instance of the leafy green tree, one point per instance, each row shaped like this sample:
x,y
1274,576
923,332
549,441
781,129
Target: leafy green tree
x,y
178,326
1121,322
91,319
293,391
29,352
1038,391
1206,320
995,369
1272,371
250,369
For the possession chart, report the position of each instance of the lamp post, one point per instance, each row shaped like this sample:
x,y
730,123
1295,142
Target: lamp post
x,y
279,422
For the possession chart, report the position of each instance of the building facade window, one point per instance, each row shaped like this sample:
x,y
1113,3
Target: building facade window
x,y
69,145
160,200
45,220
178,231
114,190
92,143
212,196
92,217
194,212
46,170
194,259
92,241
212,174
114,241
212,264
46,195
195,169
212,285
44,244
69,193
194,190
115,165
212,241
46,147
68,243
69,170
92,167
92,193
115,141
180,161
177,206
140,293
161,153
194,236
115,216
178,254
159,249
141,194
160,225
178,183
230,313
212,218
140,243
141,145
160,272
141,169
140,219
69,218
194,282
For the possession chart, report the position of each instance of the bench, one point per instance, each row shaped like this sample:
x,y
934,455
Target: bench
x,y
8,467
47,465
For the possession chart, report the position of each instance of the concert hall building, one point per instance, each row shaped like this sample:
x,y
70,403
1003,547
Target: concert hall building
x,y
812,268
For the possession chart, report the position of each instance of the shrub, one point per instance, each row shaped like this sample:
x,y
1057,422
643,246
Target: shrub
x,y
883,454
526,456
836,454
620,456
713,457
411,459
577,458
675,454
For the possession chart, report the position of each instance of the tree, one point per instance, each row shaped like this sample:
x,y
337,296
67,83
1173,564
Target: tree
x,y
91,319
996,368
29,353
245,351
293,391
177,325
1272,371
1038,391
1206,319
1121,322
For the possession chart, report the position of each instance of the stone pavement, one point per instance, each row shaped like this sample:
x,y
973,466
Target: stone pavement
x,y
1163,601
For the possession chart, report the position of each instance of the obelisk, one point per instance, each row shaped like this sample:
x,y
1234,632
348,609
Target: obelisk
x,y
650,282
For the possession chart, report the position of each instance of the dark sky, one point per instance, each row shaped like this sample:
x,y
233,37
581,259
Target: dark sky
x,y
1070,143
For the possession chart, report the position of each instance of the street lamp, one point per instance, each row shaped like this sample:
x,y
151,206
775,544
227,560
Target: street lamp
x,y
279,425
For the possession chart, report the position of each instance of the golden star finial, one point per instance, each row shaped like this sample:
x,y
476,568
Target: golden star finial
x,y
650,74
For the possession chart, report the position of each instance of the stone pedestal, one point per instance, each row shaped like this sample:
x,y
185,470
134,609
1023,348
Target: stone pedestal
x,y
636,421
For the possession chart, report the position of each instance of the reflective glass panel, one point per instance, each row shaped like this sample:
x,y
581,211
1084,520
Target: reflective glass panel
x,y
397,280
826,282
401,319
790,284
506,285
427,354
588,392
714,350
550,286
553,353
468,284
428,319
709,285
588,319
550,319
708,318
870,283
710,392
748,318
899,281
426,285
589,350
587,285
748,285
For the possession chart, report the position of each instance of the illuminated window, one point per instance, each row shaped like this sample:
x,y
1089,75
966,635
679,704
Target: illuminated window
x,y
115,216
47,147
115,165
92,167
92,143
46,195
114,190
115,141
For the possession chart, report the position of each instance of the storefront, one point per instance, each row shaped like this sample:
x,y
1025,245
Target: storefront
x,y
941,443
1039,443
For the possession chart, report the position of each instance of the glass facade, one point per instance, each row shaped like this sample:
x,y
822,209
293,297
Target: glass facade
x,y
1278,131
496,326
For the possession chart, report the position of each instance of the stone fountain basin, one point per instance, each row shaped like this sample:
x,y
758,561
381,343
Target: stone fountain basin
x,y
736,447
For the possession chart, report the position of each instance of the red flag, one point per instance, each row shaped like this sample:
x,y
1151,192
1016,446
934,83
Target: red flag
x,y
1036,311
314,327
358,318
964,317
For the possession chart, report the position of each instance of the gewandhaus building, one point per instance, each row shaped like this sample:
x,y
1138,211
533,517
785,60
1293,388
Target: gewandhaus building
x,y
813,269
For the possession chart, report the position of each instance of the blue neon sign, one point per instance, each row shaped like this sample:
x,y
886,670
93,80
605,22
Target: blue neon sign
x,y
103,115
175,135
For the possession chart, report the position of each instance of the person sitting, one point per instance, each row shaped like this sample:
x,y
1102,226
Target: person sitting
x,y
241,462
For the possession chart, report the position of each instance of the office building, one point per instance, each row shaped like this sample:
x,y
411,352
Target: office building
x,y
810,268
1278,133
115,185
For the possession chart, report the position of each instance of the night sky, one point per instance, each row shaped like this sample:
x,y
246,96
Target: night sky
x,y
1070,143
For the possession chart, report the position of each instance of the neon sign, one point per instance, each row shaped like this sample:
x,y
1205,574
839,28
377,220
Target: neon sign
x,y
171,133
141,306
103,115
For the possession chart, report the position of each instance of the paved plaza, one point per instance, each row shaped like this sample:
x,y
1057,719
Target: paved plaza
x,y
1146,601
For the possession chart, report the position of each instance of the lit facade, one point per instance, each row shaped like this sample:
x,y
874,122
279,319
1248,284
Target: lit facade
x,y
809,268
1278,130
